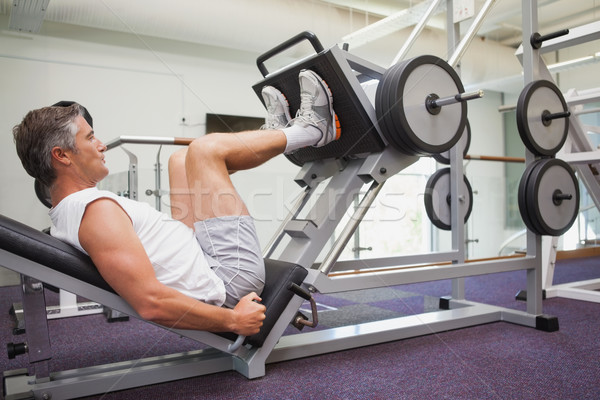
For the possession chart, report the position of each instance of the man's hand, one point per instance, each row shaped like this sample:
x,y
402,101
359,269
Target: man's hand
x,y
248,315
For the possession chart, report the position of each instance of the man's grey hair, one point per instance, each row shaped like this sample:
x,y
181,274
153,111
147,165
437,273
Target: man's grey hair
x,y
40,131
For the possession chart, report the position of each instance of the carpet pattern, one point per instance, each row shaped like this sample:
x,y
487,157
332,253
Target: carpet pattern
x,y
492,361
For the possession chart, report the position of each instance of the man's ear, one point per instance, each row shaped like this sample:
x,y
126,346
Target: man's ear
x,y
60,155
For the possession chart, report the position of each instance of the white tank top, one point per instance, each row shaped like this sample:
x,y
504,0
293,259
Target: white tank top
x,y
176,256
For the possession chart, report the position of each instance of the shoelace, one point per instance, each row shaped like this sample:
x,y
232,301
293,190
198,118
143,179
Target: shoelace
x,y
306,112
273,119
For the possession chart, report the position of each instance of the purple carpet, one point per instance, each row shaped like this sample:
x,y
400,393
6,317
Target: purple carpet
x,y
493,361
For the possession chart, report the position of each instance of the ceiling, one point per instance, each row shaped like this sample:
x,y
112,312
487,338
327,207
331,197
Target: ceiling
x,y
249,24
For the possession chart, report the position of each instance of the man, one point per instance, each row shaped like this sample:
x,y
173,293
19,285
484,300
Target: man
x,y
205,273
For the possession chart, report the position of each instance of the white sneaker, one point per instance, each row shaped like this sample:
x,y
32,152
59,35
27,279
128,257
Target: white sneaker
x,y
316,107
278,108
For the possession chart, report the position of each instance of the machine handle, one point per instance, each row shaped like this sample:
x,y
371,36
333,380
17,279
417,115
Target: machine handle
x,y
237,344
300,291
306,35
239,341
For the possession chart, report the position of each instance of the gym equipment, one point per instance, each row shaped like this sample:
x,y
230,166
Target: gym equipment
x,y
549,197
360,129
42,193
463,143
437,199
578,151
421,106
542,118
537,40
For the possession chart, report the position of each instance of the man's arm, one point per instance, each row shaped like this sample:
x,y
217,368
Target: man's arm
x,y
107,234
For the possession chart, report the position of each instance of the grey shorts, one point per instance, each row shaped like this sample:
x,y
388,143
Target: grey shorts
x,y
232,250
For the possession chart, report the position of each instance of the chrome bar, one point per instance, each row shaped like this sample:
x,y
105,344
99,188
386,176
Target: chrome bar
x,y
350,227
416,32
147,140
445,101
464,43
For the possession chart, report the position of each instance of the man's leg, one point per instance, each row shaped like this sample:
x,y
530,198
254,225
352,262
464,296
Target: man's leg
x,y
224,228
179,192
209,160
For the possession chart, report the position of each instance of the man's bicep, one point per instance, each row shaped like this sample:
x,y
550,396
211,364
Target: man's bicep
x,y
107,235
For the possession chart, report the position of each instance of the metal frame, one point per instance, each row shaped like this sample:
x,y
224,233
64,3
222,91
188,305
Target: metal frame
x,y
306,237
577,151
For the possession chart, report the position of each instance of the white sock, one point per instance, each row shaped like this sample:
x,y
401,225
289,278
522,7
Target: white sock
x,y
300,136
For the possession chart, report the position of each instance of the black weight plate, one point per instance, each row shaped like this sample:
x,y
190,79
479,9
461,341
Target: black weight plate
x,y
553,219
523,197
529,204
391,103
437,194
420,77
536,98
383,112
464,142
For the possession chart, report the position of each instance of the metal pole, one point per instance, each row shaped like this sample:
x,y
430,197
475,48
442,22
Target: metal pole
x,y
158,192
416,32
462,46
349,229
296,207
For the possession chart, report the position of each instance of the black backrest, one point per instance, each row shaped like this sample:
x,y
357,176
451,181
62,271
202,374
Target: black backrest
x,y
44,249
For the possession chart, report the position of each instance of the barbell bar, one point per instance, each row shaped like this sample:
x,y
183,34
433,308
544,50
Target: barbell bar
x,y
434,103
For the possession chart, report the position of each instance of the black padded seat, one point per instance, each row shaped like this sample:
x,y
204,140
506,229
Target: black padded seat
x,y
29,243
44,249
275,296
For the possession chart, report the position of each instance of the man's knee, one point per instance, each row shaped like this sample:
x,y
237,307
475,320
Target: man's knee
x,y
177,160
206,146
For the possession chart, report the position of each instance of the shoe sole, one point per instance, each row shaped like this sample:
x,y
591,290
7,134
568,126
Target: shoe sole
x,y
286,104
281,97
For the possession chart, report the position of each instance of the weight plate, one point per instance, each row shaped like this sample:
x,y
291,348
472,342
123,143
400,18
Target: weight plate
x,y
523,197
383,112
415,81
42,193
391,102
540,137
463,143
437,199
553,197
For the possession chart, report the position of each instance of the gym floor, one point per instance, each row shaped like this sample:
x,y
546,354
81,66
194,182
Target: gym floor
x,y
493,361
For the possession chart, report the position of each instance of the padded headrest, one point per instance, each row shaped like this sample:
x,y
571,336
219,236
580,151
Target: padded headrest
x,y
86,115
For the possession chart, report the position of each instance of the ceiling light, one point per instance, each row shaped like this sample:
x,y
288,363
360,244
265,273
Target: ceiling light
x,y
578,62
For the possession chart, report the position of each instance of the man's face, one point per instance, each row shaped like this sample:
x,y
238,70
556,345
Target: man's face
x,y
89,156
